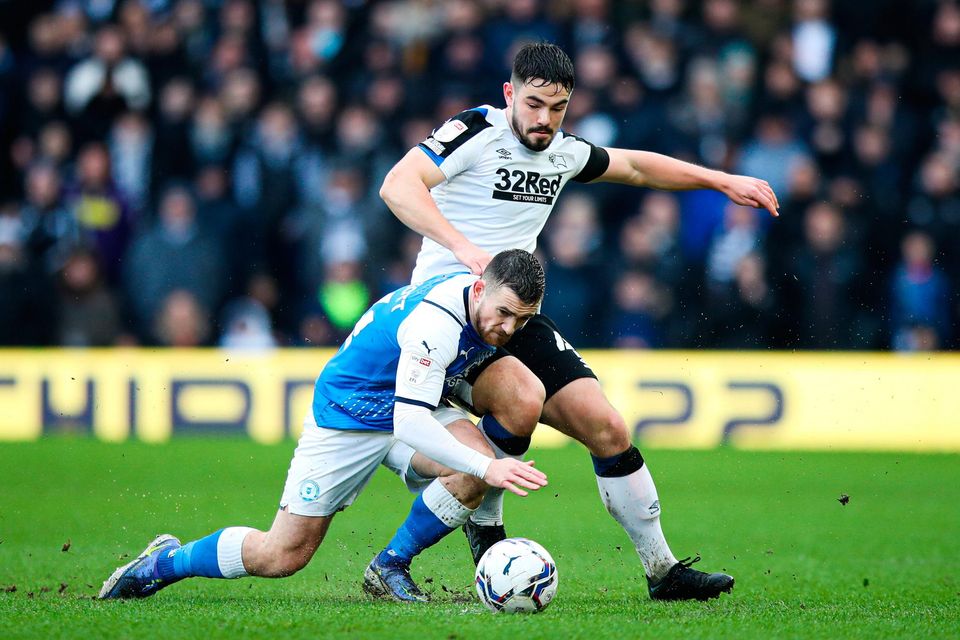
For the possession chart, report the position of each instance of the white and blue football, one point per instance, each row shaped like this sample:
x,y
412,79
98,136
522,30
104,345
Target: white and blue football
x,y
516,575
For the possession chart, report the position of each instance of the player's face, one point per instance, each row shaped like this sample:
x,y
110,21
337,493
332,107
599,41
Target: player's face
x,y
536,112
498,313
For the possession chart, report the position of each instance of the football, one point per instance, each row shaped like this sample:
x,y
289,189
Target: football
x,y
516,575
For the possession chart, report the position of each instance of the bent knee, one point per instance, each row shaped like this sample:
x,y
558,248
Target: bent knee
x,y
529,405
523,412
475,490
467,489
512,393
608,435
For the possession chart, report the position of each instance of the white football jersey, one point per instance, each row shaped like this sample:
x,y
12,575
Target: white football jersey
x,y
497,192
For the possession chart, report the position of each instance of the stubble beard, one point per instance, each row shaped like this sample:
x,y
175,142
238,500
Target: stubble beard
x,y
524,138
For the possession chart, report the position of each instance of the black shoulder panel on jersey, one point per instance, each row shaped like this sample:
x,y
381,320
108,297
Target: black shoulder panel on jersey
x,y
454,133
597,163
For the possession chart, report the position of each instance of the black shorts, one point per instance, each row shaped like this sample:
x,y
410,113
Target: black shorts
x,y
544,351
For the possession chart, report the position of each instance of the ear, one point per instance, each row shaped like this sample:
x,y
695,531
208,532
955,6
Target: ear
x,y
508,93
478,288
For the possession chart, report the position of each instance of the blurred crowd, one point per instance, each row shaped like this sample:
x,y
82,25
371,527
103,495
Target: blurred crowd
x,y
206,172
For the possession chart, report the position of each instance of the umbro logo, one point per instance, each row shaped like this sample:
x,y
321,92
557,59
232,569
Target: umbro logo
x,y
503,154
654,508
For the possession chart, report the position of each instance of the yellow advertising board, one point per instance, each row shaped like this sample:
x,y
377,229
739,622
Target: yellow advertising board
x,y
670,399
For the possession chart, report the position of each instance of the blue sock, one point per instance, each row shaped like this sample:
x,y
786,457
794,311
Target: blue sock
x,y
510,444
197,558
420,530
622,464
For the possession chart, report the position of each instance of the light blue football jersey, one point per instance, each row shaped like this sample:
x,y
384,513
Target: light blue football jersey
x,y
412,346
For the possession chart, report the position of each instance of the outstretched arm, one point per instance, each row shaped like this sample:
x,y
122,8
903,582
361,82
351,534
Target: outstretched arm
x,y
656,171
406,190
417,428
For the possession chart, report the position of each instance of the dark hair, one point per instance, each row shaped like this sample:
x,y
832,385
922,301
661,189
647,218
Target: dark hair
x,y
545,62
520,271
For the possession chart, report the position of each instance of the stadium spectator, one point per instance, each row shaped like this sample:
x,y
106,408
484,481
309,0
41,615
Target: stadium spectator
x,y
935,207
701,115
55,145
772,151
88,312
211,139
876,170
640,304
100,208
175,254
649,240
131,143
275,178
26,319
826,124
814,40
104,85
181,321
920,300
317,109
744,314
220,217
49,226
172,158
342,297
44,103
654,60
576,285
741,234
398,271
822,302
246,326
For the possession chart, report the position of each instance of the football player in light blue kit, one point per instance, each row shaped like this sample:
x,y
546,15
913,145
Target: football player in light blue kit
x,y
378,401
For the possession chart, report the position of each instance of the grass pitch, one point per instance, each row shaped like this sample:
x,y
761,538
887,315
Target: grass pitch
x,y
883,565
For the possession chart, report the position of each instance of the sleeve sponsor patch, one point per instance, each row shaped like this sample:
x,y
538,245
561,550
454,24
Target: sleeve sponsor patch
x,y
417,369
453,134
450,130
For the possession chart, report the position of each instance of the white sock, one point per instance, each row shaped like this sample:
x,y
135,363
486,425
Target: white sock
x,y
229,552
632,501
444,505
490,511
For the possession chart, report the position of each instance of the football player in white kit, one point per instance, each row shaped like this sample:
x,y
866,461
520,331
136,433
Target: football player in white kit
x,y
486,180
378,402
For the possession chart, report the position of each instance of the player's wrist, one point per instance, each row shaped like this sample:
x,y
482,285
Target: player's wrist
x,y
480,465
718,180
459,247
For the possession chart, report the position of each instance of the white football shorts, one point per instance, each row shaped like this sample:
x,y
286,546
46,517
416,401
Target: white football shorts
x,y
330,467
